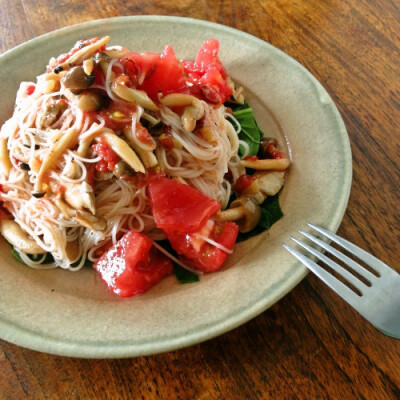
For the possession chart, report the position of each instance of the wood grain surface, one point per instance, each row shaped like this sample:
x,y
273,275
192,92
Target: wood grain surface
x,y
310,345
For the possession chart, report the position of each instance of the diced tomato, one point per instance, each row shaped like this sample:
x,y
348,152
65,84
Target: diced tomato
x,y
140,66
109,157
29,90
243,182
155,73
132,265
207,73
179,207
207,57
167,142
163,73
199,253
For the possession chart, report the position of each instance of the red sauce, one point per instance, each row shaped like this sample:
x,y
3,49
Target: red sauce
x,y
59,189
167,141
143,134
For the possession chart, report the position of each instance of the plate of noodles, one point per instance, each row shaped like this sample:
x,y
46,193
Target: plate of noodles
x,y
139,153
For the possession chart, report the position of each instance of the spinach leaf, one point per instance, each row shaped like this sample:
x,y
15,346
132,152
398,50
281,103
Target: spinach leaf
x,y
185,276
16,254
270,213
250,132
34,257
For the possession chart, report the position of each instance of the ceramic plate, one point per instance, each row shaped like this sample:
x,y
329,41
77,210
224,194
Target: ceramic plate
x,y
74,314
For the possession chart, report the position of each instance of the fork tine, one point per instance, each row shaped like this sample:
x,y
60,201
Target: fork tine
x,y
379,266
351,263
340,288
339,269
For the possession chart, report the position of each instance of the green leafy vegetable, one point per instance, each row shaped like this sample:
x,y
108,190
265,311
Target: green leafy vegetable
x,y
34,257
16,254
250,132
185,276
270,213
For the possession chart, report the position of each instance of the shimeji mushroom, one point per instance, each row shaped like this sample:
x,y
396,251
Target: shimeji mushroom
x,y
270,182
77,80
66,141
134,96
90,101
245,211
123,150
102,59
84,53
148,158
90,134
20,240
90,221
192,112
80,196
273,158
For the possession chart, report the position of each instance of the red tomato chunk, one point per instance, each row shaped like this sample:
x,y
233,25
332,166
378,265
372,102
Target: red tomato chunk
x,y
133,265
199,253
154,72
179,207
184,214
163,73
207,73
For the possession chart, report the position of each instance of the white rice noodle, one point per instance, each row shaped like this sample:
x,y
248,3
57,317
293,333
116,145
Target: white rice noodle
x,y
198,161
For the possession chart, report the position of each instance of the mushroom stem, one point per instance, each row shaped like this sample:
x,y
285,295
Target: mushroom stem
x,y
134,96
177,100
278,164
231,214
14,234
123,150
147,157
54,154
245,211
84,53
192,112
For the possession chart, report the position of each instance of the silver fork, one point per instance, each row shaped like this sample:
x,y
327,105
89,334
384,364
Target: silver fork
x,y
379,301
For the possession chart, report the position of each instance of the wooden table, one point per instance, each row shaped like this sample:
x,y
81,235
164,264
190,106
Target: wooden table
x,y
310,344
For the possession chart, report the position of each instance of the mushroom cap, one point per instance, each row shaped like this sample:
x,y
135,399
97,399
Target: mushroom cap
x,y
76,79
251,213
